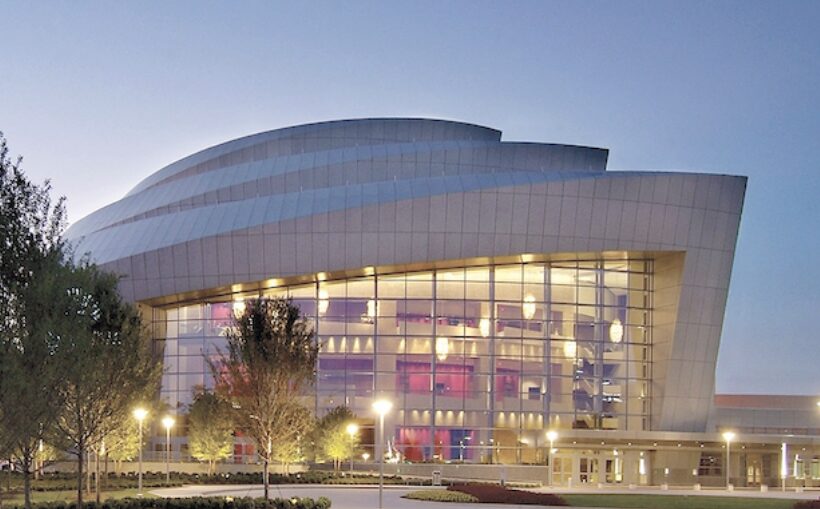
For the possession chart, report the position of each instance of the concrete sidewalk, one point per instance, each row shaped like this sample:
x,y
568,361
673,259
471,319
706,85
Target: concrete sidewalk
x,y
343,497
367,496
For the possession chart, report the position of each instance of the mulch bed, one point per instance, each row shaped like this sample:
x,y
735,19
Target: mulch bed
x,y
494,494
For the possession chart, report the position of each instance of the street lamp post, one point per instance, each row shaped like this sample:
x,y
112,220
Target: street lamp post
x,y
381,407
352,429
552,435
140,414
728,436
168,422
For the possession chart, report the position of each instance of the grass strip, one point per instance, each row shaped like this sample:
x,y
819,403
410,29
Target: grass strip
x,y
628,501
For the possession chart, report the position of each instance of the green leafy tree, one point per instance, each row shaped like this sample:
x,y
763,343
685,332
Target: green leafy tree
x,y
332,436
122,443
210,428
288,452
30,254
112,369
269,364
46,454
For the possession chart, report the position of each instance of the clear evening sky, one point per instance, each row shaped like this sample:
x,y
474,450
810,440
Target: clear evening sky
x,y
96,96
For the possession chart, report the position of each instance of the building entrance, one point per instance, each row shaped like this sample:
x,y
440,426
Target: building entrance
x,y
596,467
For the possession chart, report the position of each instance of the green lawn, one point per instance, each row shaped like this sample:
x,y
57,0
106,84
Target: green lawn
x,y
676,502
69,496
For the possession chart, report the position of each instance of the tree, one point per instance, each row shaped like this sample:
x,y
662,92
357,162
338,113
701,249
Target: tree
x,y
269,363
30,370
123,443
210,428
45,454
332,437
30,255
288,452
112,369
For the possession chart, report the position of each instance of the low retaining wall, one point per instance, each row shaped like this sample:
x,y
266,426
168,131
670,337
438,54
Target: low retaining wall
x,y
496,473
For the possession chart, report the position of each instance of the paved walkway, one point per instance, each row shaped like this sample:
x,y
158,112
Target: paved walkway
x,y
343,497
367,496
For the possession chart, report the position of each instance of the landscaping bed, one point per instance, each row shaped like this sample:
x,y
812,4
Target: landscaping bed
x,y
486,494
195,503
62,481
495,494
441,496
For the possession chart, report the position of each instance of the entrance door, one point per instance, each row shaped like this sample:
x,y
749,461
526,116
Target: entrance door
x,y
614,470
589,471
754,470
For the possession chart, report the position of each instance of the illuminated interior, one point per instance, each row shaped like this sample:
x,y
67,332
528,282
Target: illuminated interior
x,y
478,360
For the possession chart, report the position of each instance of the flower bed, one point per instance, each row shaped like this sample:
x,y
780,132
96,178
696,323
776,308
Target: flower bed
x,y
808,504
495,494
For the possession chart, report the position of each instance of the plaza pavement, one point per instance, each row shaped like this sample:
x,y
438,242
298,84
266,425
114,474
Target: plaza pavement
x,y
367,496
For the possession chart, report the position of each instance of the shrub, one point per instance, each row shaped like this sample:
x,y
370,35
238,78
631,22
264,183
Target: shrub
x,y
494,494
65,481
807,504
441,496
197,503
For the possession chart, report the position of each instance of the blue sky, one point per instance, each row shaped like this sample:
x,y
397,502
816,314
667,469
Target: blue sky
x,y
98,95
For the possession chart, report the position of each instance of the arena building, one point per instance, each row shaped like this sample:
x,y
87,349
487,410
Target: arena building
x,y
492,290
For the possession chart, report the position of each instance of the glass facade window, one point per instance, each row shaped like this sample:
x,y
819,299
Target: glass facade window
x,y
478,361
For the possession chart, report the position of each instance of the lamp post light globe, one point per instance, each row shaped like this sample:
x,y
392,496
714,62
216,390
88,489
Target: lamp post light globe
x,y
168,423
140,414
381,407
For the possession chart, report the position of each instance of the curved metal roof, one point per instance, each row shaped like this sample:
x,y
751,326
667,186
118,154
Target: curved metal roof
x,y
316,168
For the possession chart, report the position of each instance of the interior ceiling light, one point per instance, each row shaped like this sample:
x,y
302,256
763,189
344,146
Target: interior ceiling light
x,y
484,327
324,301
570,348
616,331
442,348
529,307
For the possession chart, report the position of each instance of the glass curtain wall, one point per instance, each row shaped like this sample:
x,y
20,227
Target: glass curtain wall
x,y
478,361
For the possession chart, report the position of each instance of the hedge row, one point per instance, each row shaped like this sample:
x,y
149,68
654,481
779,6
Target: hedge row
x,y
196,503
59,481
441,496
